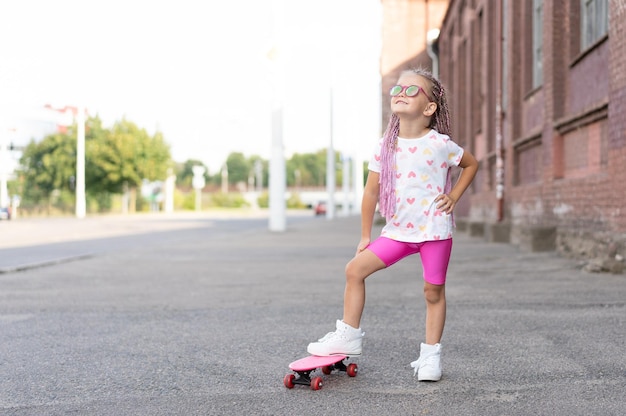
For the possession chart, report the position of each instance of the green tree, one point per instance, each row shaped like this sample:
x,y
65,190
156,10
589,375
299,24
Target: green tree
x,y
238,168
124,156
311,168
48,169
115,160
157,158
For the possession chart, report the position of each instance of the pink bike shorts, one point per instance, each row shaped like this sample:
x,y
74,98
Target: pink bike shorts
x,y
435,255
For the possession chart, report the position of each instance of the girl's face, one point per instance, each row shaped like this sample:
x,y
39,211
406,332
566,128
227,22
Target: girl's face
x,y
418,105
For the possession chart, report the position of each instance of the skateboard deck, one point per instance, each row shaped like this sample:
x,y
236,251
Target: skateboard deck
x,y
305,366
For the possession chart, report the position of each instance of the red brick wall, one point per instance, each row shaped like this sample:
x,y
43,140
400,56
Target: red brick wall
x,y
617,111
565,162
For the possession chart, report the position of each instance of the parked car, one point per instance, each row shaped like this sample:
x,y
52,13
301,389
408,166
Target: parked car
x,y
320,208
5,213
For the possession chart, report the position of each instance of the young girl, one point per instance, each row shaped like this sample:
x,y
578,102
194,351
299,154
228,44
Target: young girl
x,y
409,177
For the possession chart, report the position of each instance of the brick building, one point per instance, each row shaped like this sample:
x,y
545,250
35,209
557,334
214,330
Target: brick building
x,y
538,93
405,28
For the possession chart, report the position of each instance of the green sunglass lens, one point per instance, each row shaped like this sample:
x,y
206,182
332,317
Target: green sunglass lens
x,y
395,90
412,91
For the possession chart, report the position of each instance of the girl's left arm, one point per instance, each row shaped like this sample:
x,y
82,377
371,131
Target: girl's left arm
x,y
469,164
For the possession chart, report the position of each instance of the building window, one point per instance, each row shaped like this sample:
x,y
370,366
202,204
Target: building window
x,y
594,21
537,43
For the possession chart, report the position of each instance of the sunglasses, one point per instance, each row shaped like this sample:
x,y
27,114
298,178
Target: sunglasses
x,y
409,90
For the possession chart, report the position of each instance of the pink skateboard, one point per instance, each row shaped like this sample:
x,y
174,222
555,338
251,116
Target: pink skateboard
x,y
305,366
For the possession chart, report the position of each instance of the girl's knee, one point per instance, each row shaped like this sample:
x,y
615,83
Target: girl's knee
x,y
363,265
355,271
434,293
352,272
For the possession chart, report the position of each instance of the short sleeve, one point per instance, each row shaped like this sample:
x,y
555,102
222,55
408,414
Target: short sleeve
x,y
374,164
455,153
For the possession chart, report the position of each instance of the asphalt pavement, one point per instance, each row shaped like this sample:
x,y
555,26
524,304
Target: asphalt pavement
x,y
200,314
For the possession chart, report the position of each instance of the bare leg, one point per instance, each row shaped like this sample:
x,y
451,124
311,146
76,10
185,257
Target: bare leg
x,y
435,296
357,270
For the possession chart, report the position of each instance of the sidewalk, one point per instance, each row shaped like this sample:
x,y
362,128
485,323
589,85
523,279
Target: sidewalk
x,y
22,232
206,320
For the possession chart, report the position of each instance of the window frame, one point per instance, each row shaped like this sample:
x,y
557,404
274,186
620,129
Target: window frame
x,y
594,22
537,43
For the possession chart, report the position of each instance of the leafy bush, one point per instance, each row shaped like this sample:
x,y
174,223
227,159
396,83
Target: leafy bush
x,y
229,200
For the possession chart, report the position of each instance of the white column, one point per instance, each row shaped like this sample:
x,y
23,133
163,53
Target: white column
x,y
278,177
198,182
277,174
81,205
4,163
224,178
330,165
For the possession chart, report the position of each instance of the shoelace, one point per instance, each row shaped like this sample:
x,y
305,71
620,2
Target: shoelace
x,y
335,335
418,363
329,336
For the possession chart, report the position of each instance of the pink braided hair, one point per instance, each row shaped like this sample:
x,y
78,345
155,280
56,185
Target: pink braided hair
x,y
387,179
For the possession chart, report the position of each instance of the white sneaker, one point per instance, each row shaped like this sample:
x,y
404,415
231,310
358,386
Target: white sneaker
x,y
428,365
344,341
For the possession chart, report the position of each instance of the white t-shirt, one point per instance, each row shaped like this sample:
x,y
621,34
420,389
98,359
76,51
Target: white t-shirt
x,y
422,167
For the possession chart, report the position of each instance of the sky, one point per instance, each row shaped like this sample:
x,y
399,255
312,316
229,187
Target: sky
x,y
200,72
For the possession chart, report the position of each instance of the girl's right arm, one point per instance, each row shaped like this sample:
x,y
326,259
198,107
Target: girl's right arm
x,y
368,209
